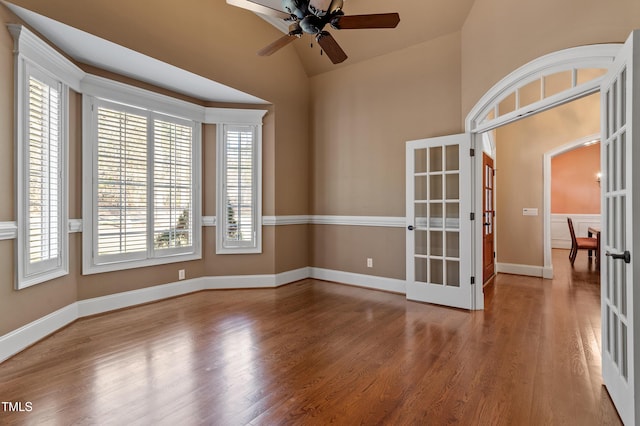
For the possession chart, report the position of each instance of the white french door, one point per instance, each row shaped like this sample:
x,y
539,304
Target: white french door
x,y
438,185
620,114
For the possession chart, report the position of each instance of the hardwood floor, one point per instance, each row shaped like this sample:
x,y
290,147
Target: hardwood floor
x,y
315,353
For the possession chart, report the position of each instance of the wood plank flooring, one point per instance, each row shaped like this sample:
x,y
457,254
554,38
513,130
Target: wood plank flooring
x,y
317,353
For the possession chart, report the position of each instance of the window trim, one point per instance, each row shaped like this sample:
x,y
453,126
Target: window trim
x,y
237,117
98,90
221,169
33,57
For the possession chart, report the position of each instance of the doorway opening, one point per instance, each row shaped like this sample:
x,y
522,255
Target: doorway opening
x,y
523,152
548,82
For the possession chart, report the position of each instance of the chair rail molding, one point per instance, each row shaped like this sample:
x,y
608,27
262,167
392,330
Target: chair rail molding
x,y
8,230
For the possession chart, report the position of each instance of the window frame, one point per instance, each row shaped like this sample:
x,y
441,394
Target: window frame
x,y
222,245
34,58
100,91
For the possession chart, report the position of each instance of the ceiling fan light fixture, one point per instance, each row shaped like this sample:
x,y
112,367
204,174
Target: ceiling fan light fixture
x,y
311,16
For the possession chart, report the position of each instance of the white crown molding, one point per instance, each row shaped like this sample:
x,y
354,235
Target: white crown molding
x,y
8,230
234,116
116,91
32,48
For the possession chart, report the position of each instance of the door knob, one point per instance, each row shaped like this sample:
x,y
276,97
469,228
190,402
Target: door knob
x,y
410,228
626,256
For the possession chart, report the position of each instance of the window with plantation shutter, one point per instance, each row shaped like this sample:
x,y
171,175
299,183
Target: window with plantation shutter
x,y
172,186
42,186
239,213
142,207
122,184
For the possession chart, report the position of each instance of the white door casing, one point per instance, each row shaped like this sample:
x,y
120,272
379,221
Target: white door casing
x,y
439,249
620,98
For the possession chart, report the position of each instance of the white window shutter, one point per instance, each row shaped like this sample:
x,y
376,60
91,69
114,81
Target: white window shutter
x,y
122,183
142,204
172,185
239,222
43,172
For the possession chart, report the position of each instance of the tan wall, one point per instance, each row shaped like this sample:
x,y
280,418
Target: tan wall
x,y
501,35
362,116
574,188
200,38
333,144
520,149
346,248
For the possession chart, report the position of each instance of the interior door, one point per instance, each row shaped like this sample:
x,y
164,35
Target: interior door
x,y
620,114
438,184
488,216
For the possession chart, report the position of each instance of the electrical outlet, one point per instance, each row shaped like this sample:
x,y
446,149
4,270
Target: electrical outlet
x,y
181,274
369,262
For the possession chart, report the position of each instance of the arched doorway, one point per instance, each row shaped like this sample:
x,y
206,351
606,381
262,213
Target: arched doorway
x,y
542,84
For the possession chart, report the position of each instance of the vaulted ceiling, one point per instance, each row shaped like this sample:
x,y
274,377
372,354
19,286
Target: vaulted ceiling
x,y
420,21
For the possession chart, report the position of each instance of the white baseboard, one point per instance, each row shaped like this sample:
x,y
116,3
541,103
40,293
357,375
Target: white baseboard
x,y
528,270
17,340
360,280
112,302
25,336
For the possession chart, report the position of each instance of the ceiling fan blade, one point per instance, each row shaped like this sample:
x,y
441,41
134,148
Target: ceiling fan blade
x,y
259,8
276,45
331,47
379,20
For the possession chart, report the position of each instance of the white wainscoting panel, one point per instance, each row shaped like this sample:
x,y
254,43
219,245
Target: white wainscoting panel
x,y
560,237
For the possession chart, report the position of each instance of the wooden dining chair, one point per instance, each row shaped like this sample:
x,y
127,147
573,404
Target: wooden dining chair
x,y
580,243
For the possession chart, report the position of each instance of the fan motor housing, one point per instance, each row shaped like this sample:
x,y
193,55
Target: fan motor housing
x,y
311,24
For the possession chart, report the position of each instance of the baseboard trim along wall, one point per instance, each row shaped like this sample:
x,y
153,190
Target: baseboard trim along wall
x,y
360,280
528,270
18,340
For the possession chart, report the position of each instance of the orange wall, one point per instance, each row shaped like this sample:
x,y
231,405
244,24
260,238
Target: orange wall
x,y
573,181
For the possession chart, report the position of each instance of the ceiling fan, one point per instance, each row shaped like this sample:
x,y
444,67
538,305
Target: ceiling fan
x,y
311,16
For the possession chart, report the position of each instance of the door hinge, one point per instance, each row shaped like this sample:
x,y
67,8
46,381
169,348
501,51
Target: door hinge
x,y
472,216
494,254
473,280
472,152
